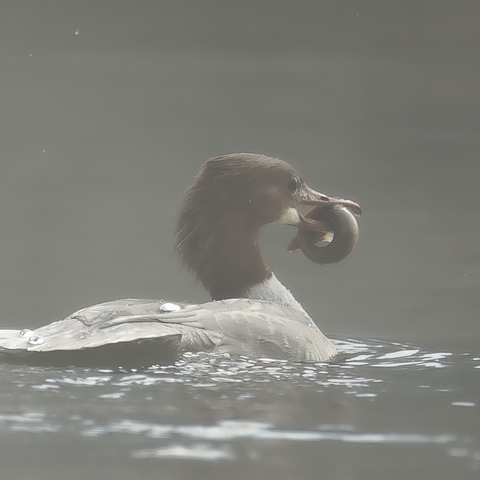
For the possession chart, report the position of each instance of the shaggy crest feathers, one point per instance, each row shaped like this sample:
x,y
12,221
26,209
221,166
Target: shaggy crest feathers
x,y
216,235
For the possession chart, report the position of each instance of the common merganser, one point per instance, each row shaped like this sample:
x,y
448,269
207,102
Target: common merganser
x,y
216,237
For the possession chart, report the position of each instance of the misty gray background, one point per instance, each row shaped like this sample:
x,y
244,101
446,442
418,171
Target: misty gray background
x,y
108,108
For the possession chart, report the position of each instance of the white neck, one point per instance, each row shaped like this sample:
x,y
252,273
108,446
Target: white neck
x,y
272,290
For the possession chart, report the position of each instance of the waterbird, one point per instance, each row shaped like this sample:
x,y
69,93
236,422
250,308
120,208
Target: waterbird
x,y
251,313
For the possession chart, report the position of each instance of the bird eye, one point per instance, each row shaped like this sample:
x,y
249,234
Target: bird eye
x,y
293,184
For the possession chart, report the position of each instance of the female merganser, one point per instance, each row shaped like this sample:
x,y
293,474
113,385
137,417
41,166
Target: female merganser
x,y
216,237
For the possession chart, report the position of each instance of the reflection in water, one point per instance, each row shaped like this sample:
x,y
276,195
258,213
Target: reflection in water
x,y
216,408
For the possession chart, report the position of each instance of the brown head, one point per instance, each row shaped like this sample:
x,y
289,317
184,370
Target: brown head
x,y
233,197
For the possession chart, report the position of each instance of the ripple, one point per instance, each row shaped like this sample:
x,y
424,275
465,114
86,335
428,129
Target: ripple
x,y
223,431
463,404
32,422
229,430
196,452
389,355
218,408
207,370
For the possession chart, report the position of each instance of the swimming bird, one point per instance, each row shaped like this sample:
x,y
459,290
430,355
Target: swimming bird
x,y
216,237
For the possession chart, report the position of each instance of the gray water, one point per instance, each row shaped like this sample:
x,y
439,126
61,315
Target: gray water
x,y
379,411
107,111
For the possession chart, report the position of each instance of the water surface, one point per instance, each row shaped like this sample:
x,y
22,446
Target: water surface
x,y
379,410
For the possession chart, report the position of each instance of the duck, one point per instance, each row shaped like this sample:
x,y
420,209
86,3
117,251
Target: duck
x,y
251,313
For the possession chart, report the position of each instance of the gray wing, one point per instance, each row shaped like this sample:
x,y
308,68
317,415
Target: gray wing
x,y
236,326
